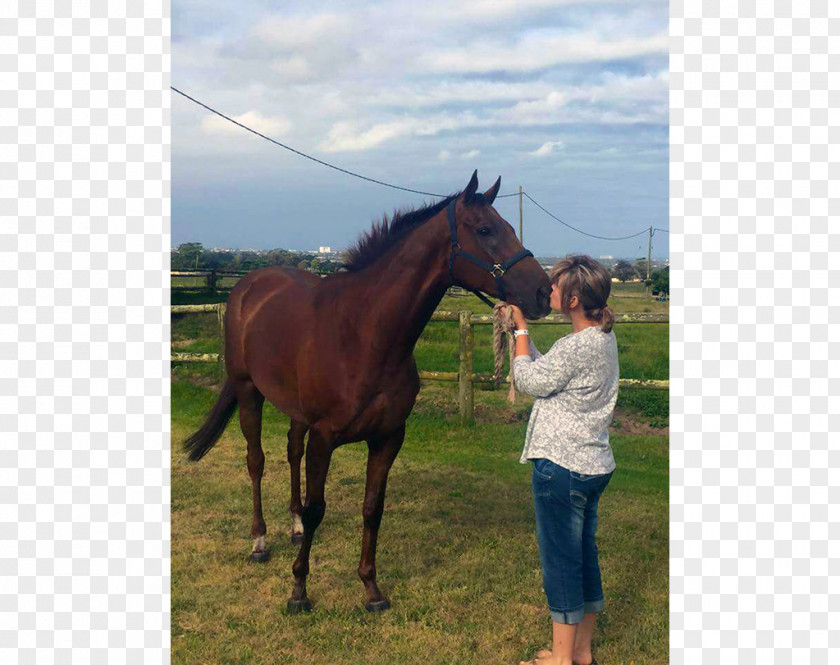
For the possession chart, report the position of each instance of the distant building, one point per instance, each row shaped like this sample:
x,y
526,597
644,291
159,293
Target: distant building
x,y
324,250
606,256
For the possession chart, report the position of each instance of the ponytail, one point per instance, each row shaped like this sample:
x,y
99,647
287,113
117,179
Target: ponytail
x,y
607,318
603,314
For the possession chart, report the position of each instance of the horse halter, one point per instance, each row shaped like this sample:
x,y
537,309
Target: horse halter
x,y
497,270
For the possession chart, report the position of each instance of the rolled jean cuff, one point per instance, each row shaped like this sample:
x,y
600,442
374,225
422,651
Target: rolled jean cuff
x,y
593,606
571,616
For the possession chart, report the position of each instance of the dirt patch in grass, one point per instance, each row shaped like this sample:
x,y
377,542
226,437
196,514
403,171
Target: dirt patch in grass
x,y
182,343
505,415
629,421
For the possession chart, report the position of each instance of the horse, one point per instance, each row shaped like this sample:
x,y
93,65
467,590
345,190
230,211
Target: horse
x,y
335,354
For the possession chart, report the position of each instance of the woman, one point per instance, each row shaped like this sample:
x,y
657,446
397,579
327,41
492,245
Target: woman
x,y
576,386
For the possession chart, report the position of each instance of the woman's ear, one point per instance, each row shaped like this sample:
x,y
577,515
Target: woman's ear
x,y
573,302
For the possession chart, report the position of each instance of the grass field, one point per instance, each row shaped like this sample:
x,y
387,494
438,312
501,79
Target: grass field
x,y
457,556
642,347
457,550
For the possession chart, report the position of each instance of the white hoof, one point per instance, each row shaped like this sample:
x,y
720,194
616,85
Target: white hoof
x,y
297,525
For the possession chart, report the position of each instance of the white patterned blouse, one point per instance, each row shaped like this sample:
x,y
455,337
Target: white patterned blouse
x,y
576,387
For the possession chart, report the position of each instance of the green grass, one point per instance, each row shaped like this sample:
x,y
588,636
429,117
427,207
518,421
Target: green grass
x,y
457,555
642,347
457,551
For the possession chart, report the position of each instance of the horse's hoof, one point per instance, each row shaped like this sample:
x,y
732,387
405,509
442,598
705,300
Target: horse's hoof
x,y
260,557
377,606
297,539
297,606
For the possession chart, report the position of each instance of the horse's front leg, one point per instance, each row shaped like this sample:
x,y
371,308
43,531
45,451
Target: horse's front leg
x,y
381,455
318,455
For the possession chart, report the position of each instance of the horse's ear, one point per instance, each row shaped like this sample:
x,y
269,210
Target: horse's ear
x,y
469,192
490,194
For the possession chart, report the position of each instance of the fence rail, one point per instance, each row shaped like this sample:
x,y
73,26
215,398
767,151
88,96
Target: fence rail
x,y
465,376
212,282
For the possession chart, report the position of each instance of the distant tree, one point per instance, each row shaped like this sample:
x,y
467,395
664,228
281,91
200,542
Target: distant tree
x,y
192,256
328,267
214,260
247,261
660,281
187,256
623,270
640,267
283,257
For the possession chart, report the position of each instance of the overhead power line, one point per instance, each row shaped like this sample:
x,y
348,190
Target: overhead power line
x,y
591,235
310,157
380,182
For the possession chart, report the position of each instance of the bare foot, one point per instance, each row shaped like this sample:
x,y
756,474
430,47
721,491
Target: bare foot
x,y
544,657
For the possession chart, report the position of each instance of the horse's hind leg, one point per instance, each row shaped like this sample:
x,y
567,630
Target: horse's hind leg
x,y
295,452
250,418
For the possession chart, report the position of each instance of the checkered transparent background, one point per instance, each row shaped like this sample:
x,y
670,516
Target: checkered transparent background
x,y
754,153
84,373
84,332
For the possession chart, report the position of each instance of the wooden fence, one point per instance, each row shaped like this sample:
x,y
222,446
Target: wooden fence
x,y
212,282
465,376
212,279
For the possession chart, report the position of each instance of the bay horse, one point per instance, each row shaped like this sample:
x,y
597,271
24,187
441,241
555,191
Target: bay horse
x,y
335,353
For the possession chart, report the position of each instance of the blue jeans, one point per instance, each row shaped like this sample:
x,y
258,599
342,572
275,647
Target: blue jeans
x,y
566,510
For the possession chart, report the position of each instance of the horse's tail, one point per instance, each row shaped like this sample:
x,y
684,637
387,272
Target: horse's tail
x,y
202,441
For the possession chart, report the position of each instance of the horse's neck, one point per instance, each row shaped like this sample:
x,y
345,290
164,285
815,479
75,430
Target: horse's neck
x,y
416,275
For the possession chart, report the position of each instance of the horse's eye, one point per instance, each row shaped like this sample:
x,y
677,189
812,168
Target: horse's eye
x,y
483,231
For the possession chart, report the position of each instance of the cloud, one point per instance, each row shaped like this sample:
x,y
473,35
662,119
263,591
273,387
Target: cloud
x,y
487,12
547,148
296,32
270,126
618,100
300,48
380,88
346,136
536,52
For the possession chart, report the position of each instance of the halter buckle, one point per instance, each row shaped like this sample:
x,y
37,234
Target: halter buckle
x,y
497,267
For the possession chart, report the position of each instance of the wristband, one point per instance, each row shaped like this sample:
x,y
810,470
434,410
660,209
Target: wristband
x,y
517,333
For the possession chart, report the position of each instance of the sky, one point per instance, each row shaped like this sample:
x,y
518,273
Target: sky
x,y
567,98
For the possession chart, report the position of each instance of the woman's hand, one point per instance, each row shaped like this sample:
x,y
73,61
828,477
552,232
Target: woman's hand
x,y
518,317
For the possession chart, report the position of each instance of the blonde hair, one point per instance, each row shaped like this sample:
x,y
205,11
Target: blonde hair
x,y
582,276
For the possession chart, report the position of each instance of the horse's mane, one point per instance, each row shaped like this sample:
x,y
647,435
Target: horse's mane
x,y
385,234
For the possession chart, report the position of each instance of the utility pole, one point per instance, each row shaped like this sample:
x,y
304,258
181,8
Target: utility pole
x,y
521,234
650,243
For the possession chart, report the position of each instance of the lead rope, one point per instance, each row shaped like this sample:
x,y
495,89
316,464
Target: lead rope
x,y
503,327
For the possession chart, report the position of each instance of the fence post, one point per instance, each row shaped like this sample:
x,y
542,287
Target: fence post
x,y
220,312
211,282
465,371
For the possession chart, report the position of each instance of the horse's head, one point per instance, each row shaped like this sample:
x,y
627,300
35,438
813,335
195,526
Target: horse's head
x,y
483,234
